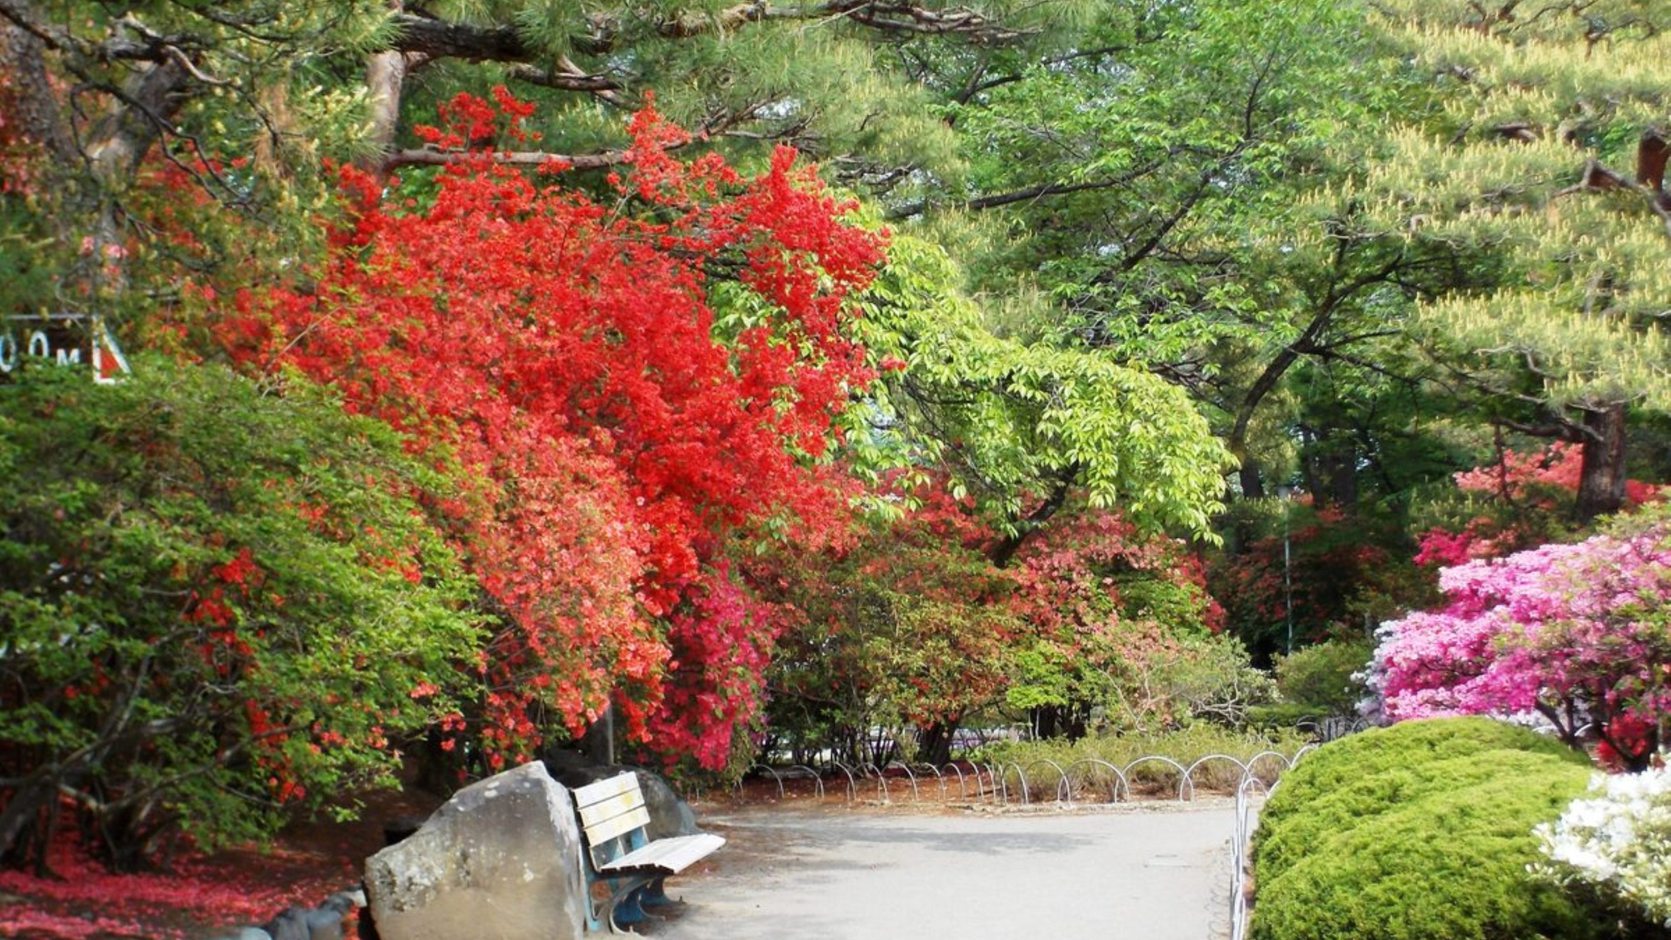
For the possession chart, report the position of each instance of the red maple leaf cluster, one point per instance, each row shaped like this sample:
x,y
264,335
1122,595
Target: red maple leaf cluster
x,y
627,382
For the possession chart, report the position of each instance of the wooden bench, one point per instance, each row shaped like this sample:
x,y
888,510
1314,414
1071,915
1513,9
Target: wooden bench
x,y
619,856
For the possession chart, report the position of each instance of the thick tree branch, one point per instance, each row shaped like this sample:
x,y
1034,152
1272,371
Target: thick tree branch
x,y
1003,552
1306,343
569,77
1041,191
428,156
444,39
503,43
1651,156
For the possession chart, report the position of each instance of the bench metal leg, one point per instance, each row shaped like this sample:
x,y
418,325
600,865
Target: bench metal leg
x,y
623,907
655,894
626,911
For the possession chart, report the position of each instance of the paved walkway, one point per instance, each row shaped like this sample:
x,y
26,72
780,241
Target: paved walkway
x,y
1143,872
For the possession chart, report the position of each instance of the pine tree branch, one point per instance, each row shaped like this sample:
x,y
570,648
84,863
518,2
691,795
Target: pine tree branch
x,y
1041,191
716,125
437,38
1600,178
430,156
440,38
569,77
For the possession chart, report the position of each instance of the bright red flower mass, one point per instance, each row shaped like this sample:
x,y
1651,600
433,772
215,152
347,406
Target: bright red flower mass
x,y
629,383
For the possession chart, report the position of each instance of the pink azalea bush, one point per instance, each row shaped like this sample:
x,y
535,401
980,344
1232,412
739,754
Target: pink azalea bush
x,y
1576,633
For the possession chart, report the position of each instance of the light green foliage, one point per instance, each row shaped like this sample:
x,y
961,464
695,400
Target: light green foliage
x,y
1139,677
1167,133
1526,160
1015,419
219,597
1202,677
1321,676
1154,188
1421,830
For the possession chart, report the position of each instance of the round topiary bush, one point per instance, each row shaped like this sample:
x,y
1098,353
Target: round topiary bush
x,y
1420,831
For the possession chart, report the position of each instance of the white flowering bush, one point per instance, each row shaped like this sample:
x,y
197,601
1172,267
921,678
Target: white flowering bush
x,y
1616,842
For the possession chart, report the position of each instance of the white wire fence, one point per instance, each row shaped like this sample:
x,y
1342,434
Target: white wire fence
x,y
1008,783
1251,794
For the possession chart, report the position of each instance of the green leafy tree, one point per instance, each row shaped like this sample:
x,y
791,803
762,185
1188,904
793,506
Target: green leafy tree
x,y
1150,191
219,600
904,627
1020,425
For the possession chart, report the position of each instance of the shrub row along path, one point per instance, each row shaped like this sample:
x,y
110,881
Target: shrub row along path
x,y
1146,871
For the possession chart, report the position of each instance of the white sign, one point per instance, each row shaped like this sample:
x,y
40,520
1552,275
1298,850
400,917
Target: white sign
x,y
65,339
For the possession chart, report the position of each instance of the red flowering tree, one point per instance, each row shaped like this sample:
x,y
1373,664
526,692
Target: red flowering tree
x,y
1108,610
1517,501
918,627
631,382
1328,571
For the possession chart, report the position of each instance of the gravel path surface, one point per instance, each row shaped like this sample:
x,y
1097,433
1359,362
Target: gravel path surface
x,y
1135,872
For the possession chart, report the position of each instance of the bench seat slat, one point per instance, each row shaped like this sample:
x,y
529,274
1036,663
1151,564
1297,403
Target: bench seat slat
x,y
617,825
671,855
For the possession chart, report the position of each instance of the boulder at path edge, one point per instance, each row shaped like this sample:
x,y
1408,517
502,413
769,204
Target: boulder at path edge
x,y
500,859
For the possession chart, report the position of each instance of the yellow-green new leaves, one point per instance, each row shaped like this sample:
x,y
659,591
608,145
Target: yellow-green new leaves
x,y
1526,164
1016,420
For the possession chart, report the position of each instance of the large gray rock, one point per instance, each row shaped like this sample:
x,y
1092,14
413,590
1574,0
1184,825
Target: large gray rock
x,y
289,924
500,859
669,815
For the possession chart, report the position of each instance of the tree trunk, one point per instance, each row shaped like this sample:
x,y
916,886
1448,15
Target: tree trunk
x,y
1332,473
934,743
1043,720
1253,485
28,92
1601,481
385,79
1060,721
22,821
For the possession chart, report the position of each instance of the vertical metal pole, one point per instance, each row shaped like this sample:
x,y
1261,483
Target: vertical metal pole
x,y
609,729
1287,576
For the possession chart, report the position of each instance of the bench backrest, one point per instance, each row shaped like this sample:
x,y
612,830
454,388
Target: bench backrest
x,y
613,816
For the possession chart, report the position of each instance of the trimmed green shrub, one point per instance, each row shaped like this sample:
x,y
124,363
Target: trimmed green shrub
x,y
1320,676
1421,831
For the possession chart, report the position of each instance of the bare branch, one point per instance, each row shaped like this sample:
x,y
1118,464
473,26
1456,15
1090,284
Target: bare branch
x,y
429,156
1031,193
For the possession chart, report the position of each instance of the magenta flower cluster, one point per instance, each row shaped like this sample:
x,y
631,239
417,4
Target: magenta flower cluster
x,y
1576,633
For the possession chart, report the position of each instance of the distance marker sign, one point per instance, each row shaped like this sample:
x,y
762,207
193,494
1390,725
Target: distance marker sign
x,y
63,339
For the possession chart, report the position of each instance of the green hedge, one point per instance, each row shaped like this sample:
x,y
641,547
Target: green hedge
x,y
1421,831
